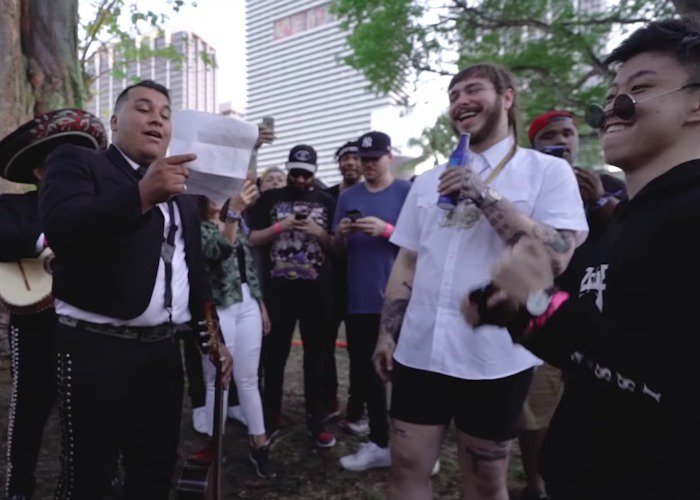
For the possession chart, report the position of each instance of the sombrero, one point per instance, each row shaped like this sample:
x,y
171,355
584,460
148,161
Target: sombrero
x,y
28,146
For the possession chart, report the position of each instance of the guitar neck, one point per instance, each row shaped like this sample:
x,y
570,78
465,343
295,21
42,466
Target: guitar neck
x,y
217,434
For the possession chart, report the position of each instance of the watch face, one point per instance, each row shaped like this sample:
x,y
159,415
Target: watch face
x,y
537,303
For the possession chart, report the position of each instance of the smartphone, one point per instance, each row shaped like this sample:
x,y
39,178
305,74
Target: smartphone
x,y
268,122
353,215
299,216
557,151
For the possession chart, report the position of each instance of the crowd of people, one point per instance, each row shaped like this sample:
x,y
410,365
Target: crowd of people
x,y
548,304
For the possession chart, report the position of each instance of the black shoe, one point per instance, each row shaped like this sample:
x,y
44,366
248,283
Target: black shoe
x,y
528,494
260,458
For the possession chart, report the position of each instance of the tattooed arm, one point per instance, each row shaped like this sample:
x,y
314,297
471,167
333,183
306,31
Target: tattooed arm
x,y
398,293
507,221
511,225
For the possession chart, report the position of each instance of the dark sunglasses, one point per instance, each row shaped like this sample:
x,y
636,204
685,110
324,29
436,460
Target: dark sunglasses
x,y
300,172
623,106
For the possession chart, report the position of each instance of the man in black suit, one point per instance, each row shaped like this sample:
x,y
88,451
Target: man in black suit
x,y
31,329
128,278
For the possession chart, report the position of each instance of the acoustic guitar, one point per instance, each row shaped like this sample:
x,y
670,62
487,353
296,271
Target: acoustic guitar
x,y
25,285
200,477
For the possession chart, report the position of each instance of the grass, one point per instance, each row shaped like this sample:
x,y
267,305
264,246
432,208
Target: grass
x,y
309,472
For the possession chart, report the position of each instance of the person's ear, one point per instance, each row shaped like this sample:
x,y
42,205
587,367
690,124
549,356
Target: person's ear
x,y
113,122
694,113
508,98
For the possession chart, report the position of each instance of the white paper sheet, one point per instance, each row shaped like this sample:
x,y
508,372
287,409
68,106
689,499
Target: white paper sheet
x,y
223,147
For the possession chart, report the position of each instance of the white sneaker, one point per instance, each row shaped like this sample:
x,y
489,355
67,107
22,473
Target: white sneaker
x,y
358,427
199,420
436,468
368,456
236,413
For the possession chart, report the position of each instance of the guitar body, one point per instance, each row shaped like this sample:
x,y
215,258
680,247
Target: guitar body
x,y
25,285
200,477
196,481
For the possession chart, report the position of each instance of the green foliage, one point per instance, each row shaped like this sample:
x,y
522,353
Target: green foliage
x,y
554,49
106,28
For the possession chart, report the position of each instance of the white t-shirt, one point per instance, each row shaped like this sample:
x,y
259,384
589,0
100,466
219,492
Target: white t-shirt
x,y
453,260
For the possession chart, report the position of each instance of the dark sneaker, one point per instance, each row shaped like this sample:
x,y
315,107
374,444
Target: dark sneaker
x,y
322,436
528,494
264,467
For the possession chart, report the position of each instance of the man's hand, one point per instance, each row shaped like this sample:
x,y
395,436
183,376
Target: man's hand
x,y
345,227
245,197
488,305
383,357
287,223
454,180
265,135
370,225
310,227
164,178
589,184
226,364
527,269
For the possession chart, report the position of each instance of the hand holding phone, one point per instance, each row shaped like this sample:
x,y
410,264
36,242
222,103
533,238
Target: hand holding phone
x,y
353,215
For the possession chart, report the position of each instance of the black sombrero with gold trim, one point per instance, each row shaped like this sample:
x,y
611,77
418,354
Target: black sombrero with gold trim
x,y
28,146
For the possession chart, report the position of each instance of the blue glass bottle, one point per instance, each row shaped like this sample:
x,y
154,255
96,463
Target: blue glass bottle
x,y
458,159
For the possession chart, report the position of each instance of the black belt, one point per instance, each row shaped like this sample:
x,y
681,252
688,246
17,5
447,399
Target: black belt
x,y
138,333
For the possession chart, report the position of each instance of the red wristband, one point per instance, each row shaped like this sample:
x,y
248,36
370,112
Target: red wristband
x,y
278,227
555,303
387,231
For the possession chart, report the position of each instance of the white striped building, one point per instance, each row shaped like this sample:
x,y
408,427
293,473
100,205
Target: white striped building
x,y
191,80
296,75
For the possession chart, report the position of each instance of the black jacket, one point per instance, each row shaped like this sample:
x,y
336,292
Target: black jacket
x,y
630,344
107,252
19,226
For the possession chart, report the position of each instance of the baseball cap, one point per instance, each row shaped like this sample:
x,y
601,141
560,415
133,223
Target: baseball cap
x,y
374,145
545,119
303,157
349,148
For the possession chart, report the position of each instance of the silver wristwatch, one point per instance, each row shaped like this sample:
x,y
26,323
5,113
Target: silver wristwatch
x,y
538,302
487,197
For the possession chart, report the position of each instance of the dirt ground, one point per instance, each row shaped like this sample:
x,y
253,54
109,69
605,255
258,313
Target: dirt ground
x,y
309,472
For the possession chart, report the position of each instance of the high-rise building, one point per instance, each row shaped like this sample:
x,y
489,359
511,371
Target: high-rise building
x,y
296,75
191,79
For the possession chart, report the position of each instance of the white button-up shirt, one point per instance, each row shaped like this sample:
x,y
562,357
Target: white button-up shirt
x,y
454,259
155,313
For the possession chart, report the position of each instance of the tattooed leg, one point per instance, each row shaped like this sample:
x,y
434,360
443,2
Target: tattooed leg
x,y
484,465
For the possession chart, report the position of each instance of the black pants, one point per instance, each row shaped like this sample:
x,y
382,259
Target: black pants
x,y
308,302
117,395
193,368
362,331
33,392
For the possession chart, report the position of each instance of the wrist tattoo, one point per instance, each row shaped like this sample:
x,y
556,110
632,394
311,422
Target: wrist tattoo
x,y
559,241
393,312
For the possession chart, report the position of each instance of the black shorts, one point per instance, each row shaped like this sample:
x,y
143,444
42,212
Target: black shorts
x,y
487,409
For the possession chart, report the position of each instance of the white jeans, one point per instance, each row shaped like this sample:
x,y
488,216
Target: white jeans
x,y
241,324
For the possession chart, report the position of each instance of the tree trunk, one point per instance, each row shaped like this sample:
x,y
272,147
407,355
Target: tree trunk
x,y
49,32
14,90
689,9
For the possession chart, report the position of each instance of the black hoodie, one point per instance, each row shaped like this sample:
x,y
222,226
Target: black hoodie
x,y
628,425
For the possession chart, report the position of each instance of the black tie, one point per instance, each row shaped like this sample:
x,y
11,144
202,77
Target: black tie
x,y
167,251
141,171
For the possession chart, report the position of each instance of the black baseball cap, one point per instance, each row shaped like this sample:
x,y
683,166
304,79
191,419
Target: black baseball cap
x,y
302,157
349,148
374,145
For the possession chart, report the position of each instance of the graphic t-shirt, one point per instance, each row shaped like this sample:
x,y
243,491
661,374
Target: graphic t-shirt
x,y
370,258
294,254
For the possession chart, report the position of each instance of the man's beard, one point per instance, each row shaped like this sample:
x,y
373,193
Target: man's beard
x,y
493,114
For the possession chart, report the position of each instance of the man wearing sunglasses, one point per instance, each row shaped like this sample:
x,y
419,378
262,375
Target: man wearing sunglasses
x,y
626,426
293,224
